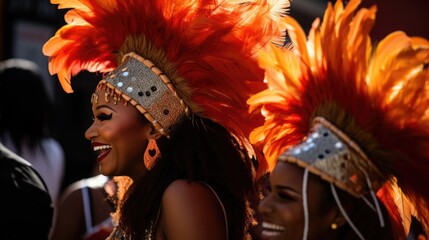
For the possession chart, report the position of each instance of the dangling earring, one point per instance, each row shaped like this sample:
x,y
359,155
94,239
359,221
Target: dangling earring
x,y
334,226
151,154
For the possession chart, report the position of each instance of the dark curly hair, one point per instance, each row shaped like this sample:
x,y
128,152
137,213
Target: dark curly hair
x,y
199,150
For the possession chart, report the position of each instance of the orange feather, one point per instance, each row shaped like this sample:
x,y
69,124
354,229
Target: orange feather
x,y
384,88
212,44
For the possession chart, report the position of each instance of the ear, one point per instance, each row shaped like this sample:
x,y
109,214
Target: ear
x,y
154,134
338,218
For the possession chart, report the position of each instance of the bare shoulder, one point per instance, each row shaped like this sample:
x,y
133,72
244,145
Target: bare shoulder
x,y
68,222
190,210
72,194
182,186
184,196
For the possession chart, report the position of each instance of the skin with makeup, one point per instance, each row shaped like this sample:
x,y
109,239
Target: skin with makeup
x,y
283,212
113,127
282,209
120,135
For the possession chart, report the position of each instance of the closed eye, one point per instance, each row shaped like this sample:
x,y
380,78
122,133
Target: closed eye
x,y
285,196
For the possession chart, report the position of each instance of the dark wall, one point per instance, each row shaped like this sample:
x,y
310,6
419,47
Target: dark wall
x,y
411,16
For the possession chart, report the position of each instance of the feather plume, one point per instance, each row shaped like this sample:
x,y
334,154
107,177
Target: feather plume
x,y
209,45
335,72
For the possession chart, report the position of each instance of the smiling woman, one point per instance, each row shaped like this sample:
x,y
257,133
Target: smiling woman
x,y
113,127
283,209
170,111
346,129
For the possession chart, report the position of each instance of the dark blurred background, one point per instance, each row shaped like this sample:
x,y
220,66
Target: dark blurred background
x,y
25,25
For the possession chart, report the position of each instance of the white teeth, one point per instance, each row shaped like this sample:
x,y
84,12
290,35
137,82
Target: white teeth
x,y
98,148
270,233
272,226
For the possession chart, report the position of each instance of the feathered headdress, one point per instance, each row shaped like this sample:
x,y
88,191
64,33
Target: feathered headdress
x,y
366,108
198,54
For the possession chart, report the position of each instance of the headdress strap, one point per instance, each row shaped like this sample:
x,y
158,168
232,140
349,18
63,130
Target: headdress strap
x,y
343,211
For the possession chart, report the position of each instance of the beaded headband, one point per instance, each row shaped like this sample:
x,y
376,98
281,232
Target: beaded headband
x,y
332,155
138,81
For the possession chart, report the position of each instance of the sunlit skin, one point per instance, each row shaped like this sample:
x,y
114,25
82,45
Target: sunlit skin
x,y
282,210
190,209
119,135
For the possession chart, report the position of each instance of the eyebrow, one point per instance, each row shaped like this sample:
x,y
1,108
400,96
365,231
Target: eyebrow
x,y
105,106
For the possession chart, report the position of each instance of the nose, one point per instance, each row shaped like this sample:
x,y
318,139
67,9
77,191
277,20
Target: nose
x,y
91,132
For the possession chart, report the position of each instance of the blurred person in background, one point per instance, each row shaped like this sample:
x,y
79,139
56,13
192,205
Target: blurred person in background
x,y
84,210
24,121
26,211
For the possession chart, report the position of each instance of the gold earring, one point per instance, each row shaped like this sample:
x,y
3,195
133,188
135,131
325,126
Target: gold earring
x,y
334,226
151,154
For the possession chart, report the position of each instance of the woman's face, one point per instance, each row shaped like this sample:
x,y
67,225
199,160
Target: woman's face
x,y
119,136
282,210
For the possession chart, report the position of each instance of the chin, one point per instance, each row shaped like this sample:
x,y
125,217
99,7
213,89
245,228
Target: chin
x,y
105,171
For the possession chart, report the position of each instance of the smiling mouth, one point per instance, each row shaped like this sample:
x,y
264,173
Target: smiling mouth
x,y
271,230
102,150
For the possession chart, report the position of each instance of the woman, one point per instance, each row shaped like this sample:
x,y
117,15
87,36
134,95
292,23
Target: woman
x,y
347,125
25,122
172,112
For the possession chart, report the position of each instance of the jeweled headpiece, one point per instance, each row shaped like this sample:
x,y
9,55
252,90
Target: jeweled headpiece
x,y
142,84
170,58
331,154
355,115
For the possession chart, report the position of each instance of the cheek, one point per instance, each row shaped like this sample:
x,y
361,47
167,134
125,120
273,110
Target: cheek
x,y
129,139
292,214
289,213
125,130
292,217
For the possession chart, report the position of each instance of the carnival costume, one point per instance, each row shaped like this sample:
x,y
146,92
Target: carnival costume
x,y
171,59
353,114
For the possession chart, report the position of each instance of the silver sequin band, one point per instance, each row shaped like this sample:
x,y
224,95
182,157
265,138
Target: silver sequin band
x,y
141,83
329,153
